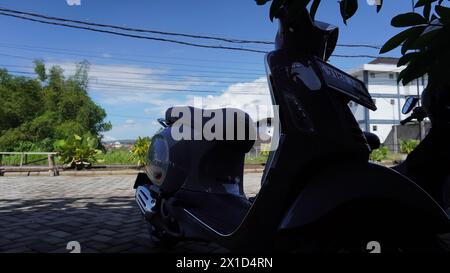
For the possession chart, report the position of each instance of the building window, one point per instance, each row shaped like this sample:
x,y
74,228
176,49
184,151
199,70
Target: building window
x,y
374,128
372,75
392,102
391,76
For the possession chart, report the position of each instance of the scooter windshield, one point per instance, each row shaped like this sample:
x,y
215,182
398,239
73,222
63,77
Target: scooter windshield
x,y
343,83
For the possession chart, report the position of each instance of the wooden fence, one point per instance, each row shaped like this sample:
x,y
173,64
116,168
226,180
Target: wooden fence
x,y
23,166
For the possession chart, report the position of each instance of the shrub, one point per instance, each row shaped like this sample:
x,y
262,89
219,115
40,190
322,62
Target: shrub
x,y
78,151
139,150
379,154
407,146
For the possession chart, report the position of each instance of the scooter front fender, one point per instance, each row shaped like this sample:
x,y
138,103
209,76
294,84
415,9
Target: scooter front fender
x,y
392,197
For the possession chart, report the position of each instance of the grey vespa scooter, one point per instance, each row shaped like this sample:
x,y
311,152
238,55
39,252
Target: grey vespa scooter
x,y
319,191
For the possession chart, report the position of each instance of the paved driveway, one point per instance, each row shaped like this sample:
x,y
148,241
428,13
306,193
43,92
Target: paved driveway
x,y
43,214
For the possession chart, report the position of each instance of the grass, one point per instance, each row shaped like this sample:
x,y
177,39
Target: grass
x,y
124,157
396,156
111,157
12,160
256,159
117,157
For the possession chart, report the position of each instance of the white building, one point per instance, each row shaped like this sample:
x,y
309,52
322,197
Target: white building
x,y
265,131
380,76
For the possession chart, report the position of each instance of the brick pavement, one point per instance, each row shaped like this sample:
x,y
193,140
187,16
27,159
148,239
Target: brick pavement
x,y
42,214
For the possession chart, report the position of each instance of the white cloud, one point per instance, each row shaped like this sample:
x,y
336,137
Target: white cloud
x,y
118,84
252,97
130,123
73,2
141,128
124,85
108,138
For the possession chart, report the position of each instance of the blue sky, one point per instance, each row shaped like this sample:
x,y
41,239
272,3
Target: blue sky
x,y
135,80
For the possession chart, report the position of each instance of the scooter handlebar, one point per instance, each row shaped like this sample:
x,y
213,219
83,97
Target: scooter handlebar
x,y
406,120
418,113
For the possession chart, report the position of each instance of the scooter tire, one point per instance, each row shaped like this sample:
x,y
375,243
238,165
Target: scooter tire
x,y
160,239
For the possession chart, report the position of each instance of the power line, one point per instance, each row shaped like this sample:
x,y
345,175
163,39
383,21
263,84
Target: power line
x,y
135,36
163,82
228,40
131,117
357,56
134,55
144,82
359,46
131,60
196,71
174,69
127,89
123,89
174,64
149,75
181,42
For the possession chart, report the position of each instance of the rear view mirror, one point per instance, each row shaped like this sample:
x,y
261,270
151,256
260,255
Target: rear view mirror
x,y
410,103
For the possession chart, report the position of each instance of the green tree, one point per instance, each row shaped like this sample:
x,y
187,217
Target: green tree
x,y
46,108
39,69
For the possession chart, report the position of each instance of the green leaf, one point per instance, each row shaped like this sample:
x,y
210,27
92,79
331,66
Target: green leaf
x,y
60,143
348,8
275,7
405,59
379,6
408,44
398,39
443,12
261,2
418,67
313,9
408,19
77,137
427,11
296,9
425,39
421,3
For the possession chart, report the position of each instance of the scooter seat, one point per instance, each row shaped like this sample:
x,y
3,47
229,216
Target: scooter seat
x,y
236,126
221,212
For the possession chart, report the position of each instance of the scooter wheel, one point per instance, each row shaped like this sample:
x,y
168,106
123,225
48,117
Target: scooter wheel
x,y
160,238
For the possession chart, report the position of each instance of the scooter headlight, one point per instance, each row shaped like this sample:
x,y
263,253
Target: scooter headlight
x,y
158,160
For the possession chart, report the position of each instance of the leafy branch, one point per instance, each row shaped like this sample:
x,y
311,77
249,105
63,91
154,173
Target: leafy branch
x,y
424,45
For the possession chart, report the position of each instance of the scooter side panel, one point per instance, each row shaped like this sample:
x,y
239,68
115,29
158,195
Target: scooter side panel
x,y
344,185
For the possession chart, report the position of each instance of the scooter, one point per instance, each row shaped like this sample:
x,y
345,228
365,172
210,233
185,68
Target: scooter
x,y
319,192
